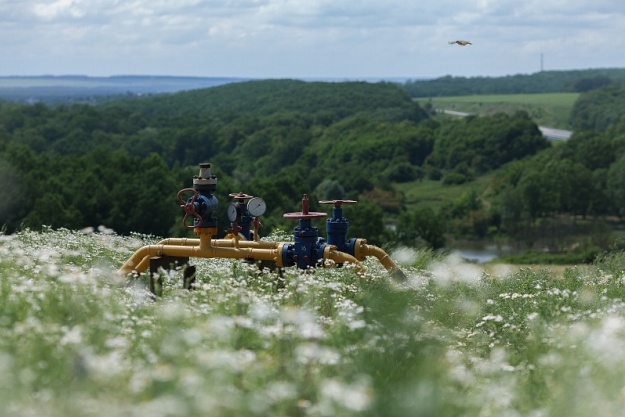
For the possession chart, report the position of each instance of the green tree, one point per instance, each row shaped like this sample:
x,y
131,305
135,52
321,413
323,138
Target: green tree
x,y
13,196
366,221
421,227
616,185
330,190
51,209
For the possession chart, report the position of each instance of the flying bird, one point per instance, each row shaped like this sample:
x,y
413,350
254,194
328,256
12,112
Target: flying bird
x,y
461,43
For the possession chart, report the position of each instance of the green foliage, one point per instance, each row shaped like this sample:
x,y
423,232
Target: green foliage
x,y
421,228
366,220
330,190
99,165
598,109
616,184
486,143
540,82
121,164
322,102
592,83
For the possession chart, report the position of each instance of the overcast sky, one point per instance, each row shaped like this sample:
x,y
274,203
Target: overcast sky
x,y
308,38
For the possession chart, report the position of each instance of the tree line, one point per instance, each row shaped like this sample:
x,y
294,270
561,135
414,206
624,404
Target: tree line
x,y
120,164
540,82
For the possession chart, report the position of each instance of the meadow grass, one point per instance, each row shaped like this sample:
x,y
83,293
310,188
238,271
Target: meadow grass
x,y
546,109
429,193
453,340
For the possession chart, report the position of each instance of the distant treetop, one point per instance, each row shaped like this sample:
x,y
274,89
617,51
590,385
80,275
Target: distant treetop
x,y
540,82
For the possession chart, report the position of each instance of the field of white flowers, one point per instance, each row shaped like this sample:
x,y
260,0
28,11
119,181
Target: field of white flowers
x,y
454,340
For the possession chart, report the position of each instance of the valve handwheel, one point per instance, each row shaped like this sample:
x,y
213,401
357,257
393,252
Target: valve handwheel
x,y
304,214
189,207
240,196
338,203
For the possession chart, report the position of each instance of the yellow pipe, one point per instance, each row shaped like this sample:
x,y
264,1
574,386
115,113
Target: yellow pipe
x,y
362,250
183,241
332,253
259,250
140,260
225,243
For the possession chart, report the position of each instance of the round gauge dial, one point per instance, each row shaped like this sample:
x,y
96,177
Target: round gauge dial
x,y
232,212
256,206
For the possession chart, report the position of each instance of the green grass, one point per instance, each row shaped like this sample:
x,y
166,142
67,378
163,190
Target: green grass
x,y
429,193
549,109
454,340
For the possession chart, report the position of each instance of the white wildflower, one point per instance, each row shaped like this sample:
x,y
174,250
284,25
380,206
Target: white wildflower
x,y
356,396
71,336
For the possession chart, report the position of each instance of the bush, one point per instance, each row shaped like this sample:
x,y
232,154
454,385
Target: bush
x,y
455,178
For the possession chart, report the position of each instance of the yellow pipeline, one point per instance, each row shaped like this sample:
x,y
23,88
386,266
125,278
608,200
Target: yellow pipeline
x,y
265,251
221,243
362,250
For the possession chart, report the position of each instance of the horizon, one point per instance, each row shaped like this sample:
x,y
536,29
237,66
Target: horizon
x,y
333,78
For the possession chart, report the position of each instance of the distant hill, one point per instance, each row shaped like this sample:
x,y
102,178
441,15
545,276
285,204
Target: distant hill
x,y
71,88
264,97
540,82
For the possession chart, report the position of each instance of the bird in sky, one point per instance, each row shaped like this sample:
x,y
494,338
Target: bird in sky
x,y
461,43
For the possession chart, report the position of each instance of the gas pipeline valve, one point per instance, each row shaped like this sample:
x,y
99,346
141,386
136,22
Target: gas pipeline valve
x,y
244,212
306,250
202,206
337,225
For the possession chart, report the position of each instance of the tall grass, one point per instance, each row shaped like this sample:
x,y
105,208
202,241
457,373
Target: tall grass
x,y
76,340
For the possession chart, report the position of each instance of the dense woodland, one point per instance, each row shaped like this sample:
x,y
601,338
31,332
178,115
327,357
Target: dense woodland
x,y
121,163
540,82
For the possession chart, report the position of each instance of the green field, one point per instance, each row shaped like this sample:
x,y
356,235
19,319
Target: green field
x,y
454,340
429,193
552,109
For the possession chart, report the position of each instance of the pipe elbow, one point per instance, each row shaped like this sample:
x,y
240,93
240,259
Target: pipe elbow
x,y
137,262
363,250
332,253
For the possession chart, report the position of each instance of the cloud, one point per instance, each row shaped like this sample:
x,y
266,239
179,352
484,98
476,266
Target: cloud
x,y
306,38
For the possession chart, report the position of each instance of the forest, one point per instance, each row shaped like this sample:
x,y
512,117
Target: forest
x,y
540,82
120,163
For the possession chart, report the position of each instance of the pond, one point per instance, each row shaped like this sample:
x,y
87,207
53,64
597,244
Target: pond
x,y
480,252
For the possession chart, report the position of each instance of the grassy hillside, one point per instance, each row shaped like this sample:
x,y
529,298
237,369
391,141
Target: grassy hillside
x,y
429,193
549,109
453,340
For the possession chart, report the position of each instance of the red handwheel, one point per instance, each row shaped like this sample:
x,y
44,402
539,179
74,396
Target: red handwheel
x,y
338,203
189,207
304,214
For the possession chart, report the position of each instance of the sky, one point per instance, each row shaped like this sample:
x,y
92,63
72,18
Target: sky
x,y
315,39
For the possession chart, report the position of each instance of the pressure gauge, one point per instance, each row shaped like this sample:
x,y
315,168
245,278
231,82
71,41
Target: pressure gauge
x,y
232,212
256,206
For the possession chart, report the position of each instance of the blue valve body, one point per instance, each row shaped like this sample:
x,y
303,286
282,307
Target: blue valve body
x,y
307,249
336,229
206,206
